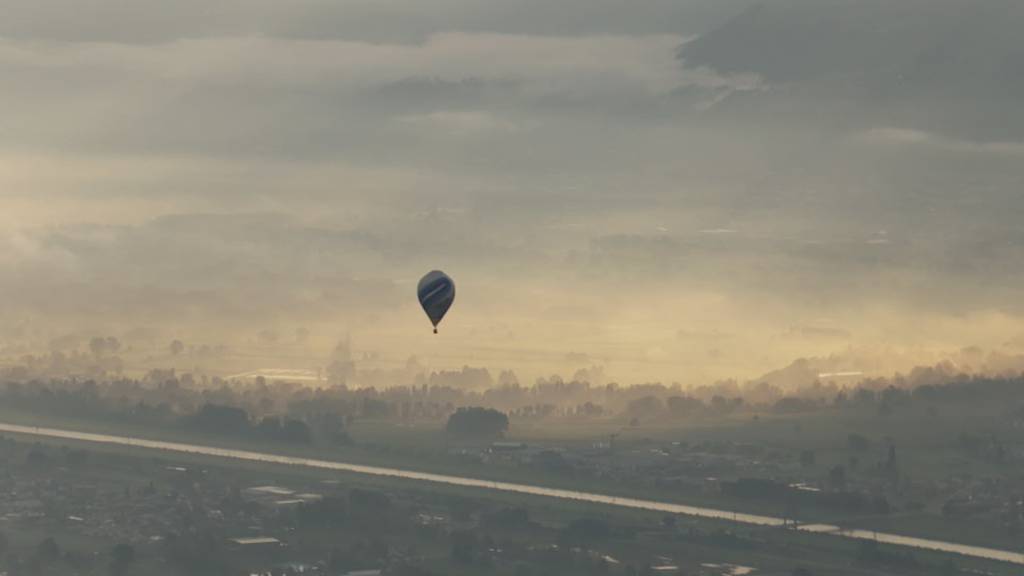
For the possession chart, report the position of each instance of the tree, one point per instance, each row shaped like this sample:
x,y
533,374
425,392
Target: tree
x,y
410,571
552,461
197,552
645,406
506,519
587,531
857,443
218,419
684,405
48,549
177,347
868,551
375,408
330,427
332,511
723,406
101,346
464,545
295,432
37,458
837,477
291,430
891,466
477,423
368,500
97,346
792,405
807,458
269,428
369,509
121,557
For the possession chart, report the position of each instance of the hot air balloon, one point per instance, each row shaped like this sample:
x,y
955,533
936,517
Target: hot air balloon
x,y
436,292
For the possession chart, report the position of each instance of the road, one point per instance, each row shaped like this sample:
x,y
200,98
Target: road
x,y
666,507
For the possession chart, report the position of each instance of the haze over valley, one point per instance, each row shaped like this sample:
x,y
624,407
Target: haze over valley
x,y
720,288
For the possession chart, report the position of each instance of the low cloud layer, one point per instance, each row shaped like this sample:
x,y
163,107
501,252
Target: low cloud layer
x,y
602,193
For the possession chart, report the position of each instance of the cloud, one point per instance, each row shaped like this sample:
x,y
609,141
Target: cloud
x,y
240,163
463,123
228,267
394,21
301,99
928,65
910,137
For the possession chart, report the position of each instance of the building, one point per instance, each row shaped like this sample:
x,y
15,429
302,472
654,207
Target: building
x,y
255,543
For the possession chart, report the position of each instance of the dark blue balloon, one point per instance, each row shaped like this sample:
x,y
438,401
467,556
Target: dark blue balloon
x,y
436,292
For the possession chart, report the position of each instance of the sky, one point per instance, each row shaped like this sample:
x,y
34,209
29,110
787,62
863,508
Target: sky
x,y
679,191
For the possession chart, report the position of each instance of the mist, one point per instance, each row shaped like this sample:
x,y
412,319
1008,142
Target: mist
x,y
630,189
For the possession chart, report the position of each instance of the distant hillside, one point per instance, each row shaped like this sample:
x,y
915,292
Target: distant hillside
x,y
953,66
853,366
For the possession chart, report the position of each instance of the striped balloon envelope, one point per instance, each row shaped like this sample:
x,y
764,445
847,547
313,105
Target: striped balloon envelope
x,y
436,292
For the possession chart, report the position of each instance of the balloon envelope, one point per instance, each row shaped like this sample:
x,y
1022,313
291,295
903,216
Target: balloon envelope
x,y
436,292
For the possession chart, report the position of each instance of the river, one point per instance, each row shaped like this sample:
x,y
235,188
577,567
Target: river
x,y
667,507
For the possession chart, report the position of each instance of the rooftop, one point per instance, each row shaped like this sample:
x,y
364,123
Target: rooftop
x,y
255,541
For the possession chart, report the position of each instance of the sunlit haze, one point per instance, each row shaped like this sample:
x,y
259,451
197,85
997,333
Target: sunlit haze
x,y
661,194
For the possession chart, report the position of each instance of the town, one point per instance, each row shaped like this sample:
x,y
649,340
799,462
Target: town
x,y
68,507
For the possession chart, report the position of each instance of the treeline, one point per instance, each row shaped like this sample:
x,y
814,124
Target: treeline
x,y
231,421
476,422
277,410
102,403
